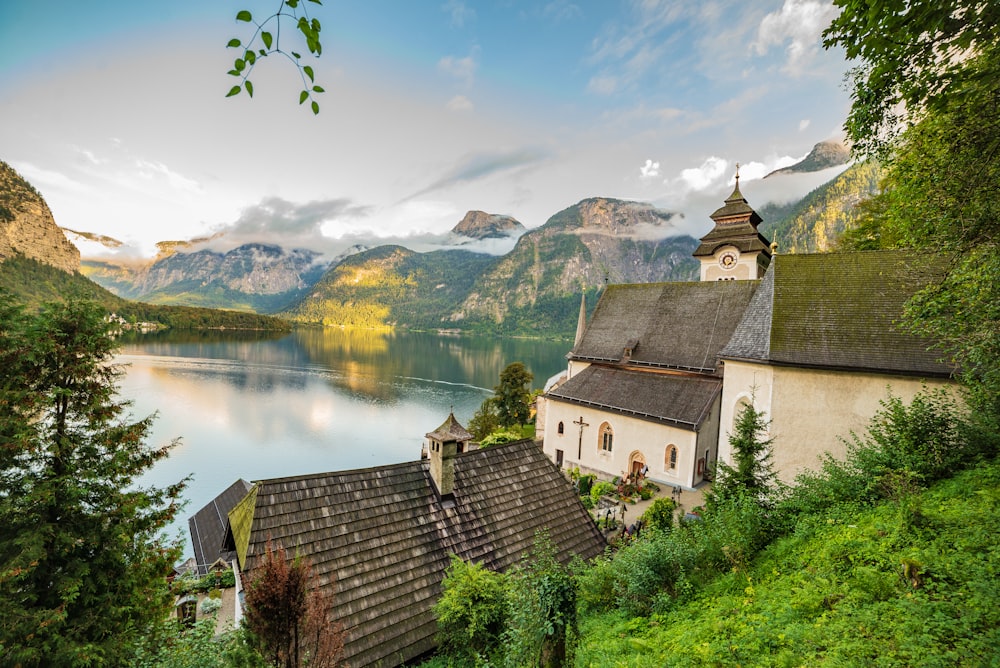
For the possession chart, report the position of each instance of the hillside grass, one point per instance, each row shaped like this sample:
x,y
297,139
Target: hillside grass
x,y
907,582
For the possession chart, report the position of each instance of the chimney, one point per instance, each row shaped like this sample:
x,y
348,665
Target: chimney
x,y
443,444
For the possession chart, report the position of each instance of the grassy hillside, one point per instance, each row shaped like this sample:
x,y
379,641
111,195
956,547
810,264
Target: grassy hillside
x,y
390,285
910,584
34,282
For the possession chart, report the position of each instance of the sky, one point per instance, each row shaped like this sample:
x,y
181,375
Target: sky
x,y
116,112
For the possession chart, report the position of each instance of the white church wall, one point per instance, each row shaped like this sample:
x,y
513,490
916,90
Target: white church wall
x,y
812,410
630,436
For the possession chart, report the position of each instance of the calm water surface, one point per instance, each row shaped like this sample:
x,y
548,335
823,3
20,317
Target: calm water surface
x,y
310,401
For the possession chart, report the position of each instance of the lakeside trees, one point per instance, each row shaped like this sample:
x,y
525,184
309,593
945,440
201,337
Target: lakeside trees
x,y
83,566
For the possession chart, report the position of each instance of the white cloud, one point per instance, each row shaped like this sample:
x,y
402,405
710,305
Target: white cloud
x,y
803,124
43,178
705,175
799,23
151,170
650,169
459,11
603,84
463,69
460,103
561,10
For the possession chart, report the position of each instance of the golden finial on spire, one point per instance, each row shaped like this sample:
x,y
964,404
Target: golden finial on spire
x,y
737,175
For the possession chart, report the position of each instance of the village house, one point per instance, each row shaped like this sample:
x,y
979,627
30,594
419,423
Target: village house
x,y
381,538
656,379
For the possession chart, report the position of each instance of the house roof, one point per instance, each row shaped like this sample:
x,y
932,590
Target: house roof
x,y
684,401
208,526
839,311
678,325
382,539
450,430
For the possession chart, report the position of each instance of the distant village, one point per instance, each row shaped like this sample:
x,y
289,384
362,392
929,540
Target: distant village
x,y
654,382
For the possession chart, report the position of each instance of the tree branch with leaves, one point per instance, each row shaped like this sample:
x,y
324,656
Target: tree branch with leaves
x,y
266,41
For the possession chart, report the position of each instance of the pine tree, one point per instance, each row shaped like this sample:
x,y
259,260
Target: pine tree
x,y
84,566
751,472
513,395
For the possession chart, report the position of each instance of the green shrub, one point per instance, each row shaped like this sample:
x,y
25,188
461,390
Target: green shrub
x,y
471,612
660,514
601,488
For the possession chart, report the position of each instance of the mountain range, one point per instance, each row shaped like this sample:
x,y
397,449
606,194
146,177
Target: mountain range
x,y
534,289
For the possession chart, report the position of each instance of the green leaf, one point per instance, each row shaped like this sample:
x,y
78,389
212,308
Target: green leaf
x,y
251,57
292,3
267,39
233,43
249,87
233,73
315,107
296,55
315,25
303,96
318,2
235,90
262,53
318,89
309,72
239,65
244,15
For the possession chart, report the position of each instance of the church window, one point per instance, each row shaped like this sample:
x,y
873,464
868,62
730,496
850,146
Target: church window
x,y
607,436
561,428
670,460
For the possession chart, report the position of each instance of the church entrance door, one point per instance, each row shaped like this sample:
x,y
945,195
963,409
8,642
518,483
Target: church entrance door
x,y
636,463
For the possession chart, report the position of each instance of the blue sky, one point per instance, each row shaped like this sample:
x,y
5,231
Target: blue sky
x,y
116,112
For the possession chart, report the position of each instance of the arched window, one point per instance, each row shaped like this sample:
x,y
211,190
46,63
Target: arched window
x,y
607,436
561,428
670,458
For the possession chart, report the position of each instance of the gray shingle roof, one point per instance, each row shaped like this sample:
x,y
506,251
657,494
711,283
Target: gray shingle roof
x,y
840,311
678,325
208,526
684,401
381,538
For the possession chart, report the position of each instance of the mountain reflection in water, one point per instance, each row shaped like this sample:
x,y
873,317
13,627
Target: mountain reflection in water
x,y
257,406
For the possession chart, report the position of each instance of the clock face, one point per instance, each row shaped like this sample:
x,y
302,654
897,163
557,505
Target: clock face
x,y
728,259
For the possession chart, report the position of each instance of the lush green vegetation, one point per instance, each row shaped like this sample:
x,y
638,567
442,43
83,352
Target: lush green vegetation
x,y
887,556
35,282
84,563
502,417
814,224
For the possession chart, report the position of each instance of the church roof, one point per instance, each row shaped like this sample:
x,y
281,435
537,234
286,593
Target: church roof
x,y
839,311
677,325
683,401
381,538
450,430
735,225
208,526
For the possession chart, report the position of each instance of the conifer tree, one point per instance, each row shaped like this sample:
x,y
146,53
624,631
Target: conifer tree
x,y
83,566
751,472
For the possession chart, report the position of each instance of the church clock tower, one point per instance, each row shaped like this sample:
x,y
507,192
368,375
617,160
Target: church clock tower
x,y
734,249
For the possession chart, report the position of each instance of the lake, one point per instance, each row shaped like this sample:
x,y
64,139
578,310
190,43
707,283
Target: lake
x,y
256,406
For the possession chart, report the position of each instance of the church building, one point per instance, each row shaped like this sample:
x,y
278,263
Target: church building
x,y
656,378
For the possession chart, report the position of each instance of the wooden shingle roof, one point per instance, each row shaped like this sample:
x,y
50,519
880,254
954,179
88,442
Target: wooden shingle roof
x,y
735,225
381,538
208,526
677,325
683,401
840,311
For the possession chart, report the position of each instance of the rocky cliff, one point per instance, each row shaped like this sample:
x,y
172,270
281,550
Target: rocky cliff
x,y
583,247
251,277
830,153
482,225
27,226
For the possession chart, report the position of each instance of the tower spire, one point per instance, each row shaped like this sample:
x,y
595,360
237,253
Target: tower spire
x,y
581,323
